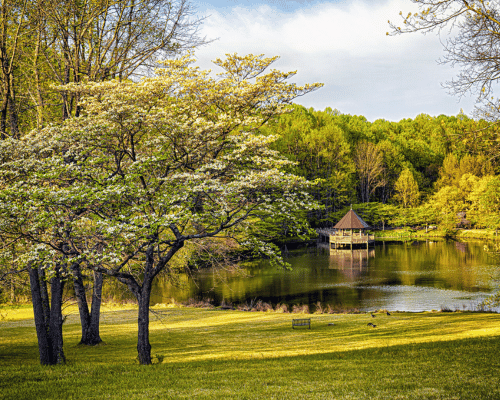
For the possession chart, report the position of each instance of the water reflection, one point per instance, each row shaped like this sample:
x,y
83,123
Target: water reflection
x,y
412,276
351,263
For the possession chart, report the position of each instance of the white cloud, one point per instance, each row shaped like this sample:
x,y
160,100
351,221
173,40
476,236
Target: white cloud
x,y
345,46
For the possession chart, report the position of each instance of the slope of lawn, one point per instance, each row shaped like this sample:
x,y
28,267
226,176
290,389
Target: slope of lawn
x,y
215,354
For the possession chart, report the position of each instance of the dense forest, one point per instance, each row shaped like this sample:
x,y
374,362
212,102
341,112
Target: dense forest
x,y
427,170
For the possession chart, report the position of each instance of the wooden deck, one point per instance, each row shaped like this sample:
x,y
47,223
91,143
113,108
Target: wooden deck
x,y
340,239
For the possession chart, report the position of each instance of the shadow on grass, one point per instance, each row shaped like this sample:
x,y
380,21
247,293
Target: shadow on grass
x,y
460,369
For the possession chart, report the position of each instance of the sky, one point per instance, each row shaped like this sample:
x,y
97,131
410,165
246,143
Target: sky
x,y
343,44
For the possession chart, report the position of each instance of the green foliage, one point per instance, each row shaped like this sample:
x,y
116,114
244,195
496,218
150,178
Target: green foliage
x,y
328,148
279,229
485,202
466,187
149,164
370,169
453,169
377,215
406,188
322,152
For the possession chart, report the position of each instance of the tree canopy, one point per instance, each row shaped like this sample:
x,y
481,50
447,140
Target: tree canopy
x,y
149,166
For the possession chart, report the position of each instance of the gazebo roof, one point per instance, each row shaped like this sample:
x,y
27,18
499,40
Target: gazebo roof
x,y
351,221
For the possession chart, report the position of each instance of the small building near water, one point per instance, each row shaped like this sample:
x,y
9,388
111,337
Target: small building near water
x,y
348,232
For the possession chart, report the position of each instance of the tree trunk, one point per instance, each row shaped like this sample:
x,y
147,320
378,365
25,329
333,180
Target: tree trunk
x,y
3,113
143,345
14,118
65,103
81,299
38,89
42,329
56,319
89,320
4,68
12,291
95,311
3,123
48,323
44,293
143,295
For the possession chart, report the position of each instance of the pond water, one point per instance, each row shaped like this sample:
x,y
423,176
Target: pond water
x,y
412,276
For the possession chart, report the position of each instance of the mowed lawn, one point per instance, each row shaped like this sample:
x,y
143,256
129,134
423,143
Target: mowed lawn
x,y
216,354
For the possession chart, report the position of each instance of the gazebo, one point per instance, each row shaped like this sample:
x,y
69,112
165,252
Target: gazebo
x,y
349,231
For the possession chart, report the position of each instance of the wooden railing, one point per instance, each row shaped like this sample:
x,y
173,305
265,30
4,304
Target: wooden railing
x,y
352,239
344,234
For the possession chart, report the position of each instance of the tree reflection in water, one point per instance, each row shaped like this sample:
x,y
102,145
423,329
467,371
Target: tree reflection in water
x,y
411,276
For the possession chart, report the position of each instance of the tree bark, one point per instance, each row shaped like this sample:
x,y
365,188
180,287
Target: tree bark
x,y
3,122
44,293
143,294
38,88
48,322
56,319
89,320
14,118
95,310
143,345
42,329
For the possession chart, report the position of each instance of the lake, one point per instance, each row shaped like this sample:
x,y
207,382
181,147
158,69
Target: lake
x,y
412,276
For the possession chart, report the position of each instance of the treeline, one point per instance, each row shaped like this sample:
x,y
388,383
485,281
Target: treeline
x,y
442,168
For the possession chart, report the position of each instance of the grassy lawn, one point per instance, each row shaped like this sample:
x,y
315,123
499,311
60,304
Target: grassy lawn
x,y
464,234
214,354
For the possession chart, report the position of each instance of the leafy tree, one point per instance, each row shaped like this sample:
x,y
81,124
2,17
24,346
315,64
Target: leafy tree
x,y
48,42
453,169
446,203
406,189
449,173
152,165
394,162
425,215
485,200
370,168
13,30
451,200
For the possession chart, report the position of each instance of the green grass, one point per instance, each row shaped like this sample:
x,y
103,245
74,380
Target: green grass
x,y
214,354
407,233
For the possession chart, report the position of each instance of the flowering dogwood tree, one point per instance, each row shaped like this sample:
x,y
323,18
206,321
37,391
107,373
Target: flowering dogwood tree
x,y
149,166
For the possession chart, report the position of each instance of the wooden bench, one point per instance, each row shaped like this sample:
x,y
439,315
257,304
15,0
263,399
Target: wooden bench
x,y
301,322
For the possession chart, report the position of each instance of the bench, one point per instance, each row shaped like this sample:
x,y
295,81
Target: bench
x,y
301,322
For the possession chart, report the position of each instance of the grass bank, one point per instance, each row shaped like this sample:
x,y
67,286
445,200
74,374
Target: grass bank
x,y
215,354
405,233
460,234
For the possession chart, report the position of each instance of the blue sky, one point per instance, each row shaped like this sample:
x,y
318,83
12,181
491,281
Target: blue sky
x,y
342,44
